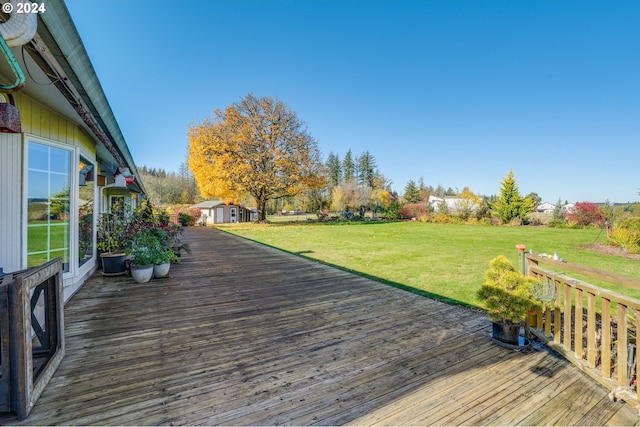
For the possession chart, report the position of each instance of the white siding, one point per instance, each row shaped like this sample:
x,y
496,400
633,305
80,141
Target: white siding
x,y
11,202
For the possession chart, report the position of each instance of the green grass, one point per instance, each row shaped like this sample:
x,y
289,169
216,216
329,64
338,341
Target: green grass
x,y
443,261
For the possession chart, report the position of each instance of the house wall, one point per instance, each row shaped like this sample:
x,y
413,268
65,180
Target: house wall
x,y
44,125
210,213
242,214
11,201
227,213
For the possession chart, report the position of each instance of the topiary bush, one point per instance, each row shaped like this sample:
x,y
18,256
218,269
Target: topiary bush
x,y
506,292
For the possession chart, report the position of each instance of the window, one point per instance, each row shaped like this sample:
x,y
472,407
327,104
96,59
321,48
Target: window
x,y
117,205
48,205
86,192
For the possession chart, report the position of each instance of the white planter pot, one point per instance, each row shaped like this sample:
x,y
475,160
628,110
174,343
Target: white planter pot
x,y
161,270
141,273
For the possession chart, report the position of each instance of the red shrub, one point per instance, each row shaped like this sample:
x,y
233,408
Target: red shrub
x,y
413,210
586,213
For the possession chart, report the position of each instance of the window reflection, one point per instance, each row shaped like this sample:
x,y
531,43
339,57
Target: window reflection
x,y
48,208
85,210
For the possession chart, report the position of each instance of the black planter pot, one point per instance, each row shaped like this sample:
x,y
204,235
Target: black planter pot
x,y
508,333
113,264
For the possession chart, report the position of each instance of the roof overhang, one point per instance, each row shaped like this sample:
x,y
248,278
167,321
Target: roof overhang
x,y
60,75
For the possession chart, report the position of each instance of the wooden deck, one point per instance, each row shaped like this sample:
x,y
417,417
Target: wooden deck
x,y
243,334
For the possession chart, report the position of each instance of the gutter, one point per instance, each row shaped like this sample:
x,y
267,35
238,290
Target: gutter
x,y
60,53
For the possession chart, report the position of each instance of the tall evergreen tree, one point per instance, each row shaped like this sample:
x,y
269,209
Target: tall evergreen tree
x,y
411,192
334,170
348,167
510,204
366,169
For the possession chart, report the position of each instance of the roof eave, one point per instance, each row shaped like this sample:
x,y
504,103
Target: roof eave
x,y
61,36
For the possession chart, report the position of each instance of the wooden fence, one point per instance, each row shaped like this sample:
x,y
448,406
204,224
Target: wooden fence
x,y
31,334
593,327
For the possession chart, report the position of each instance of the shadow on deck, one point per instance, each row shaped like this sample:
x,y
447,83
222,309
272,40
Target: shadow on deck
x,y
243,334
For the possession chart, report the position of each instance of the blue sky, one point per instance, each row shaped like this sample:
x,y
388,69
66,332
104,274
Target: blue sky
x,y
457,92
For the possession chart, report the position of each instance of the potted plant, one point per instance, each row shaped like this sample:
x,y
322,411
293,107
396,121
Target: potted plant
x,y
174,238
184,218
162,258
112,242
141,254
162,253
507,297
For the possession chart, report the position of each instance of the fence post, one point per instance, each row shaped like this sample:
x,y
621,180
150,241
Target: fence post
x,y
535,316
5,371
621,347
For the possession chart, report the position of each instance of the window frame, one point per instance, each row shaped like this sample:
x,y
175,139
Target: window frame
x,y
75,269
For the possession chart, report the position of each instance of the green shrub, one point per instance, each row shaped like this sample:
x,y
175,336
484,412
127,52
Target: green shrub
x,y
443,218
557,223
631,223
506,292
485,221
391,211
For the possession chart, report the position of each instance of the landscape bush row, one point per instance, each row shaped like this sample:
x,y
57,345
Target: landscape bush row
x,y
621,223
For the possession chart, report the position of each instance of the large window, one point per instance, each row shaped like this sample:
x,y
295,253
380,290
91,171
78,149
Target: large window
x,y
48,209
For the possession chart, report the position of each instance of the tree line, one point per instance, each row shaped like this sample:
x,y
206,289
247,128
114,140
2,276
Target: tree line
x,y
259,153
169,188
356,182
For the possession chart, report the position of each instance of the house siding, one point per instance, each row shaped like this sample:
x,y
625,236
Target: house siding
x,y
39,123
39,120
11,202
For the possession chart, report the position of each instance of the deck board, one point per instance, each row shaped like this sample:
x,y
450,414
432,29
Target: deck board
x,y
244,334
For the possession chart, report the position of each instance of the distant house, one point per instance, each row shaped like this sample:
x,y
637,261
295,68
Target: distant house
x,y
219,212
545,207
66,161
453,203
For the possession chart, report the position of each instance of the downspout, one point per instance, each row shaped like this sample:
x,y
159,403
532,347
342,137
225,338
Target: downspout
x,y
18,30
17,71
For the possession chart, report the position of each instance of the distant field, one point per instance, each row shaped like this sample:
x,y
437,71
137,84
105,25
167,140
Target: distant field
x,y
445,261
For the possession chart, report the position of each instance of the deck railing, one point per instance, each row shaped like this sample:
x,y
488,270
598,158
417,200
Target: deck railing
x,y
31,334
592,326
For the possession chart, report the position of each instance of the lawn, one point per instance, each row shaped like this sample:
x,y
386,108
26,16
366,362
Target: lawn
x,y
444,261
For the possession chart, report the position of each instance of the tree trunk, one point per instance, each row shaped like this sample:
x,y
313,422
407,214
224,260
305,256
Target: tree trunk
x,y
262,209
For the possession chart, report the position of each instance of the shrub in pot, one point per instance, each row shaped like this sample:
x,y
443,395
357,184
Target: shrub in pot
x,y
141,255
163,256
506,294
112,242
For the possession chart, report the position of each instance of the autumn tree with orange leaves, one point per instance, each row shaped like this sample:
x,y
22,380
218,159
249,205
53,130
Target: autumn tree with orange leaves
x,y
256,147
